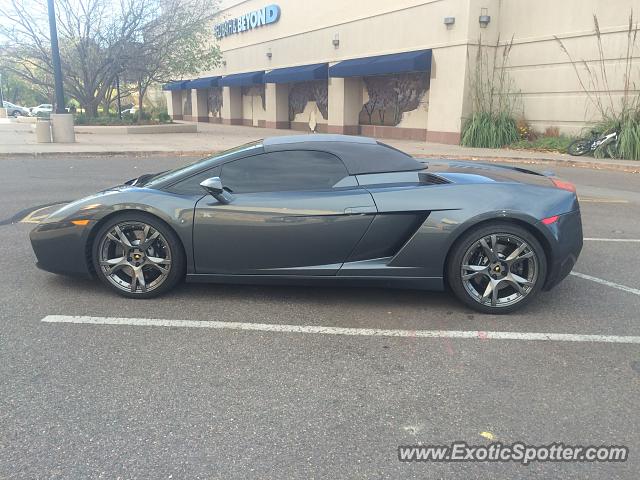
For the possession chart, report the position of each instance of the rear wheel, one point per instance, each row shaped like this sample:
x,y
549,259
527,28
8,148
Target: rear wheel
x,y
579,147
497,268
138,255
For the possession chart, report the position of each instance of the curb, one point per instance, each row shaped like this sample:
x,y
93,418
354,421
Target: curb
x,y
107,153
631,167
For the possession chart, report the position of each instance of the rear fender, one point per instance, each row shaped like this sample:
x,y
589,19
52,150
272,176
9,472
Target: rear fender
x,y
430,245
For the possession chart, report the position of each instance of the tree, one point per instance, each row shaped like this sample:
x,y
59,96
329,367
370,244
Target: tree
x,y
152,40
18,91
174,42
91,34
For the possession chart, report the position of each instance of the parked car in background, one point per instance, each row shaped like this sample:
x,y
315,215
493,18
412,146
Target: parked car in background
x,y
42,108
15,110
130,111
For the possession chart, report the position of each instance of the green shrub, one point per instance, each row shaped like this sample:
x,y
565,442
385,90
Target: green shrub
x,y
489,131
164,117
141,117
629,140
494,99
553,143
101,120
628,145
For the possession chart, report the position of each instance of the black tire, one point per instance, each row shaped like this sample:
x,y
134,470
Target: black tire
x,y
579,147
470,239
176,267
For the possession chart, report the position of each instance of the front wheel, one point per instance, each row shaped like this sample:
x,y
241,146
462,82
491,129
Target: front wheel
x,y
497,268
579,147
138,255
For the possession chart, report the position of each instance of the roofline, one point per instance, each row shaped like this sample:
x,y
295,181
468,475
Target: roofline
x,y
317,138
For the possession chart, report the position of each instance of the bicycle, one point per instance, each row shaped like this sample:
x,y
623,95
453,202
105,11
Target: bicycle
x,y
582,146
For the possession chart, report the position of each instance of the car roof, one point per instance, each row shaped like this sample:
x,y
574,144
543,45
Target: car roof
x,y
316,137
359,154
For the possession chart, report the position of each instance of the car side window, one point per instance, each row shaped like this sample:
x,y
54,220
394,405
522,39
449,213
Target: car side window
x,y
191,185
295,170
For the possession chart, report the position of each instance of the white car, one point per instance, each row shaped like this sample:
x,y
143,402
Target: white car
x,y
42,108
14,110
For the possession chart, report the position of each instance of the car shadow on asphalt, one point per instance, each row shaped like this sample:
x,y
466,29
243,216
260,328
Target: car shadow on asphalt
x,y
325,300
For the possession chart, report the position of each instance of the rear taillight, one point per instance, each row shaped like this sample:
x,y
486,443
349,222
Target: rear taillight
x,y
563,184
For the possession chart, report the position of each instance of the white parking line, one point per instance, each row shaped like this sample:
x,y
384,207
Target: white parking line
x,y
602,281
631,240
583,199
365,332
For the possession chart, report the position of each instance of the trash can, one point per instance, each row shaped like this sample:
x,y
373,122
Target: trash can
x,y
62,128
43,130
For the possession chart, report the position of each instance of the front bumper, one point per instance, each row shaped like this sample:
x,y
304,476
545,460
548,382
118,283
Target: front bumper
x,y
60,247
566,245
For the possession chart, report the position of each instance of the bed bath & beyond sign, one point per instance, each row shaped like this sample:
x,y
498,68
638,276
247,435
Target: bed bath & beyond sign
x,y
248,21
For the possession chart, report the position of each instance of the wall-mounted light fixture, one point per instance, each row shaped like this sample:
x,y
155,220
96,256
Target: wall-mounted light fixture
x,y
224,63
336,40
269,54
449,21
484,18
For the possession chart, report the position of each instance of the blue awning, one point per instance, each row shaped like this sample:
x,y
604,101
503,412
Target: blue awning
x,y
419,61
243,79
206,82
303,73
175,85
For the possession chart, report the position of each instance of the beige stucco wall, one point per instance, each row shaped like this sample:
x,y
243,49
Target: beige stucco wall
x,y
252,108
551,93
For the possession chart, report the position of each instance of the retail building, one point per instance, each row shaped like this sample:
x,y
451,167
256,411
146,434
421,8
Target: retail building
x,y
401,68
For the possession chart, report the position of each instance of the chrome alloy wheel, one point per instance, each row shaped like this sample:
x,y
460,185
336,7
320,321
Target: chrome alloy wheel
x,y
134,257
499,270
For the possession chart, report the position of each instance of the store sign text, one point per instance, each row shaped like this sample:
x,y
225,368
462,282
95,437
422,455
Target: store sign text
x,y
249,21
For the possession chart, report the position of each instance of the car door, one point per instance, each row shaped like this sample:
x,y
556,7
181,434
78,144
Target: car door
x,y
291,213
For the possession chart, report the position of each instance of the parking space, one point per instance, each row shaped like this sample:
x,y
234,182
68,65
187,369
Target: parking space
x,y
139,401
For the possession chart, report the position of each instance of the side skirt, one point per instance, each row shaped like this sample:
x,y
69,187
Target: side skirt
x,y
419,283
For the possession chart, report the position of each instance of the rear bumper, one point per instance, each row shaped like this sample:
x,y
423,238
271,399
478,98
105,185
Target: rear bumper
x,y
566,244
60,248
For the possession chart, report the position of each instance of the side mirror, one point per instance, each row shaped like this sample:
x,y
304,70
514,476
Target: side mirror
x,y
213,186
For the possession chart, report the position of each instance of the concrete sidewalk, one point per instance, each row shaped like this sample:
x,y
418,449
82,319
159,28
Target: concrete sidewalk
x,y
18,139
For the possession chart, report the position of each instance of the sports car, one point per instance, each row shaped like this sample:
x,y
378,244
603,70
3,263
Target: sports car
x,y
324,209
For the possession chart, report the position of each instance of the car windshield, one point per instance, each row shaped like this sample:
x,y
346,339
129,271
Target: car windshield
x,y
199,164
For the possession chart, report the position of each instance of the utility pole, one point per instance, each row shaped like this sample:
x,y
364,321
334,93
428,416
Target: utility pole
x,y
55,57
1,95
119,102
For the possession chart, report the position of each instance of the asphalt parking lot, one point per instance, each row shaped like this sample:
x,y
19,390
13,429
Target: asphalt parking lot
x,y
127,401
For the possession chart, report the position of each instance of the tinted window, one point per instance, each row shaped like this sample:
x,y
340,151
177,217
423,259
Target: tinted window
x,y
191,185
174,175
284,171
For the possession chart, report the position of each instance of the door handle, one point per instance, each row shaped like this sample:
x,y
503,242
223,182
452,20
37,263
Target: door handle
x,y
360,210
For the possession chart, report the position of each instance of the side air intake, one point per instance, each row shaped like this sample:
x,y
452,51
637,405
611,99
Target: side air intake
x,y
431,179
